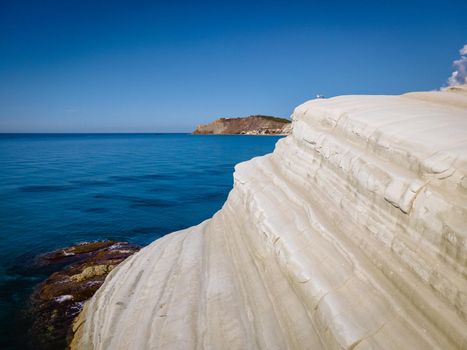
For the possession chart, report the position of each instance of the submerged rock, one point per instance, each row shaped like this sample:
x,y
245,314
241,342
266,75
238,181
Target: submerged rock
x,y
56,301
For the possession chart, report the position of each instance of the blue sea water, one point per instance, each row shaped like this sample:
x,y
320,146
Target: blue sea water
x,y
61,189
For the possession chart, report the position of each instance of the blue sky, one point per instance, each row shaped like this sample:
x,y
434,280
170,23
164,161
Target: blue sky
x,y
134,66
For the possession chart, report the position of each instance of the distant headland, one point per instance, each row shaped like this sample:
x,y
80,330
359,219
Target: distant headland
x,y
251,125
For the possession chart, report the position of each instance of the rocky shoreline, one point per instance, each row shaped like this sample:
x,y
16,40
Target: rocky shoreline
x,y
55,302
251,125
350,235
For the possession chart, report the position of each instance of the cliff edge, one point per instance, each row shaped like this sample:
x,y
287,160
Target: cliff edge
x,y
350,235
252,125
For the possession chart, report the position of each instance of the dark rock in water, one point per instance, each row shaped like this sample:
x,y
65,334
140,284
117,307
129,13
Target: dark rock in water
x,y
58,300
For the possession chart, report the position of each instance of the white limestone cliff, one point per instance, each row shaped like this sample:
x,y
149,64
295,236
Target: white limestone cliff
x,y
351,235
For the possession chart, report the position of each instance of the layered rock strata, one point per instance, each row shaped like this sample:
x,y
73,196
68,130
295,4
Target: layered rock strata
x,y
252,125
351,235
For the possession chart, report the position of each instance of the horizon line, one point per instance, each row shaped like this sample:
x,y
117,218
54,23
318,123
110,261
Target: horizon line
x,y
87,132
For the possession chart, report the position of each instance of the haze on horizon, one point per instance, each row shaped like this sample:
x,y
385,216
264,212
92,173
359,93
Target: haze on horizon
x,y
93,66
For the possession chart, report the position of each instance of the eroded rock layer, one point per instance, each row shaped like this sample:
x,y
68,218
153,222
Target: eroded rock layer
x,y
252,125
57,301
352,235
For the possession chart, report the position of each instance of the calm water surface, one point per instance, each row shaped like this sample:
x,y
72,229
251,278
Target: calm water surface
x,y
57,190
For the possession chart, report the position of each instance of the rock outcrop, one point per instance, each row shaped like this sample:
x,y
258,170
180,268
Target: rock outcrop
x,y
351,235
59,299
252,125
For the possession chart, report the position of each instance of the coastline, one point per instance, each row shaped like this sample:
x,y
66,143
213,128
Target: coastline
x,y
240,134
339,238
123,187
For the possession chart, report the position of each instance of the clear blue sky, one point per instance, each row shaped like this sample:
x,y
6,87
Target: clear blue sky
x,y
93,66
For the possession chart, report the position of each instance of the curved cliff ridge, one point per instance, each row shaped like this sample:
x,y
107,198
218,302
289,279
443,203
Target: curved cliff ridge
x,y
352,235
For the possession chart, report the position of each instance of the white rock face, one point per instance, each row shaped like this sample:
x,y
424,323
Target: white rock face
x,y
351,235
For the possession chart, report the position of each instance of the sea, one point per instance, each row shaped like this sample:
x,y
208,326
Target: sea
x,y
57,190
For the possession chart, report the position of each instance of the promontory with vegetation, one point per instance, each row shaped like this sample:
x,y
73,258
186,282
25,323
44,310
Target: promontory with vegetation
x,y
251,125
